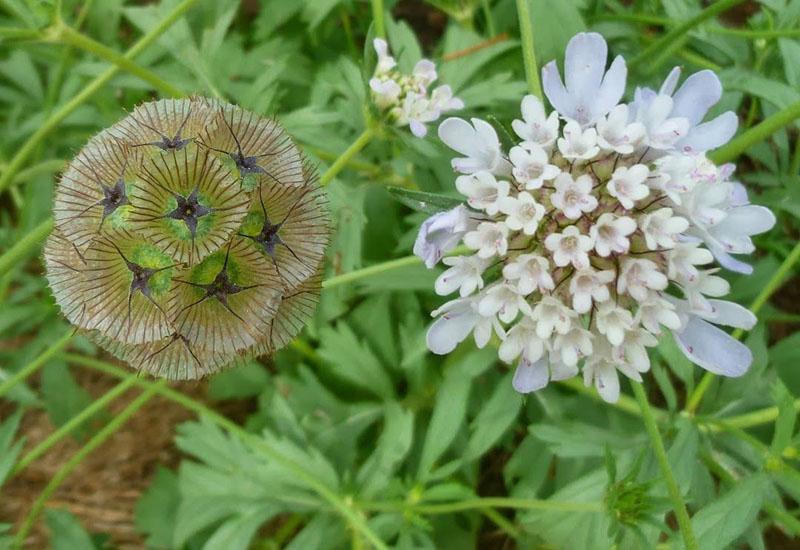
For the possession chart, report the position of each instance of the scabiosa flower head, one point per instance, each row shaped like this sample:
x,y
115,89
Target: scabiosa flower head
x,y
598,230
188,237
405,97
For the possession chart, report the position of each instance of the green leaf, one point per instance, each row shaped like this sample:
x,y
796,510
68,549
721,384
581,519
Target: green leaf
x,y
352,360
787,416
449,413
154,514
430,203
63,397
720,523
495,418
244,381
393,446
66,532
9,450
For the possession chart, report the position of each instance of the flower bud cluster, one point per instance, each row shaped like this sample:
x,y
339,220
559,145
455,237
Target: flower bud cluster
x,y
596,231
404,97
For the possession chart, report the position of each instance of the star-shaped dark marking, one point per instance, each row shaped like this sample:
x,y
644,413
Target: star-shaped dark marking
x,y
113,198
189,211
140,281
269,238
166,143
220,288
245,164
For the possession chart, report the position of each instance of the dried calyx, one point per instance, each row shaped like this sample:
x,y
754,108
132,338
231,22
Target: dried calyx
x,y
188,237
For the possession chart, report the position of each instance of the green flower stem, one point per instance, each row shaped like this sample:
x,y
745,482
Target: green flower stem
x,y
528,51
500,520
756,134
34,365
13,33
681,514
98,439
487,15
48,166
377,18
644,19
351,514
482,503
365,272
26,246
654,55
88,91
360,142
65,429
772,285
65,34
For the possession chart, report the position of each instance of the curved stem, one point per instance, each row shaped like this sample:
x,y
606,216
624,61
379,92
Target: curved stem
x,y
69,36
478,504
681,514
360,142
658,52
72,423
88,91
98,439
528,51
756,134
377,18
34,365
772,285
344,509
25,246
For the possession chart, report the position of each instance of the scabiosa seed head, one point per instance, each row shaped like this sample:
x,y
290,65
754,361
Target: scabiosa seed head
x,y
188,237
404,97
605,219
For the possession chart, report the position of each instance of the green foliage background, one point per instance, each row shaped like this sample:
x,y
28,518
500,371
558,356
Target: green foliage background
x,y
361,438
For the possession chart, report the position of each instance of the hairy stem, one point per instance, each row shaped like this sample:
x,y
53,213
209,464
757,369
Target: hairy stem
x,y
88,91
679,507
34,365
334,169
69,36
485,502
654,55
377,18
756,134
346,510
98,439
65,429
26,246
528,51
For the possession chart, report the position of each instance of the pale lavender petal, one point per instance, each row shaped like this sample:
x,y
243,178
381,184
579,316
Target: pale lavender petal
x,y
696,96
713,349
530,377
584,65
450,329
711,134
610,92
555,91
459,135
729,262
670,82
731,314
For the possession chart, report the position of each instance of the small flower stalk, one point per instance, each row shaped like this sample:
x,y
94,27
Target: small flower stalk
x,y
597,231
188,237
405,98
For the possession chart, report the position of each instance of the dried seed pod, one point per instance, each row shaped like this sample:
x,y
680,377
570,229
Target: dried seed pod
x,y
188,237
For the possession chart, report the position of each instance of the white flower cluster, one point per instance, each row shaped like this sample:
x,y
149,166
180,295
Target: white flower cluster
x,y
405,97
596,230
